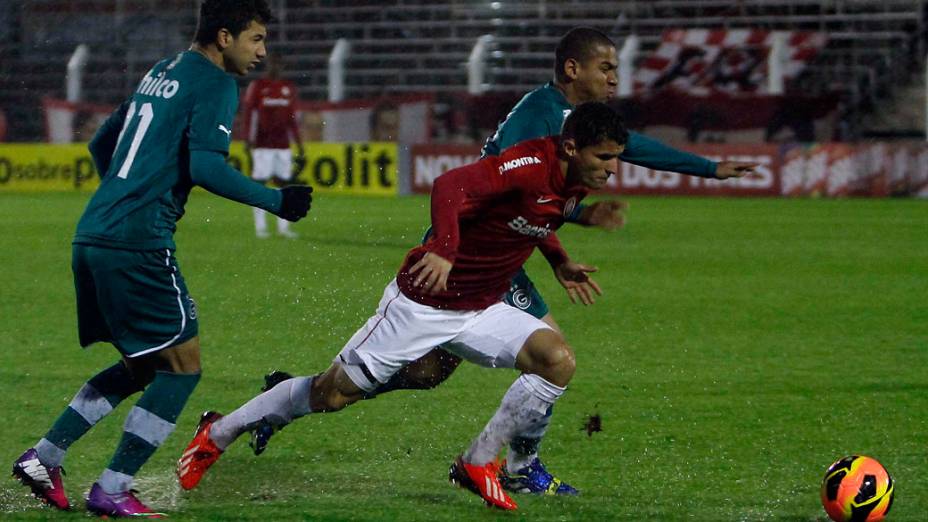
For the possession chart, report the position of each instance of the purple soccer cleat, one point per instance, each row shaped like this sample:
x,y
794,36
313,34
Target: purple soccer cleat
x,y
45,482
124,504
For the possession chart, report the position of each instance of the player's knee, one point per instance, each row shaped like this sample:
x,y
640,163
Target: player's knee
x,y
327,398
333,391
561,363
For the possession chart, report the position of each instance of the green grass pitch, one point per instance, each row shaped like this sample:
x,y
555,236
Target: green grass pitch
x,y
741,346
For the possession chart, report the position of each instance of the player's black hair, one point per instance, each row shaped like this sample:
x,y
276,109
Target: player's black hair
x,y
579,44
233,15
594,122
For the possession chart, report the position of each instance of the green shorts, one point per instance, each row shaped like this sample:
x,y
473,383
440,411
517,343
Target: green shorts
x,y
136,300
523,295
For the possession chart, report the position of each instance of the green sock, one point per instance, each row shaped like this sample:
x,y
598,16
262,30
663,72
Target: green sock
x,y
149,423
95,400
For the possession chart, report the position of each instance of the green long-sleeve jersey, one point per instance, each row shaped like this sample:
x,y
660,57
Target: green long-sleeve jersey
x,y
542,113
178,122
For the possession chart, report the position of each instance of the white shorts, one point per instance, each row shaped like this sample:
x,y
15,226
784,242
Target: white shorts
x,y
271,163
403,330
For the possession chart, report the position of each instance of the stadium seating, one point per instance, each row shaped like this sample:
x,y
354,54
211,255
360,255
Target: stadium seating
x,y
416,45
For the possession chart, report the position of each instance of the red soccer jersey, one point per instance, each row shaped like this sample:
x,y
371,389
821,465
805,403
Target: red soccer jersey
x,y
488,216
270,114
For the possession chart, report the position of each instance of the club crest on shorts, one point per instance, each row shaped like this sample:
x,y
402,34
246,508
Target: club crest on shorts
x,y
569,206
521,299
191,307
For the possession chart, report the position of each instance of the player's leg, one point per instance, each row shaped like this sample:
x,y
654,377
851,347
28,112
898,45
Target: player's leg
x,y
503,337
424,373
548,364
146,301
260,172
40,466
523,471
401,331
394,336
281,165
96,399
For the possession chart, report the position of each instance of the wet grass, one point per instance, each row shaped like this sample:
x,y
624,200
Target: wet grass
x,y
741,347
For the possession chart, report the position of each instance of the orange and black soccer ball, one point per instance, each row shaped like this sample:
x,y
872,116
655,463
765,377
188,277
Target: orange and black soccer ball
x,y
857,489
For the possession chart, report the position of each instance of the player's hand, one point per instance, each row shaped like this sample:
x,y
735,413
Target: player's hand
x,y
433,273
608,215
297,199
574,277
734,169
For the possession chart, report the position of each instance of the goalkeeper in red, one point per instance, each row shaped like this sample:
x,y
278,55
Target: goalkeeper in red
x,y
487,217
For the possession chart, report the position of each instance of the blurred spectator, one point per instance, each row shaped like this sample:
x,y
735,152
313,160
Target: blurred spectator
x,y
790,115
385,122
85,125
312,126
702,120
2,126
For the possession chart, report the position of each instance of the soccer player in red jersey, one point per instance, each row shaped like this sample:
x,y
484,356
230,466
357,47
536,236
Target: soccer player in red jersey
x,y
487,218
271,124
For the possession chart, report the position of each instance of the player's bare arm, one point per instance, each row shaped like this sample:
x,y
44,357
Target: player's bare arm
x,y
734,169
433,273
575,278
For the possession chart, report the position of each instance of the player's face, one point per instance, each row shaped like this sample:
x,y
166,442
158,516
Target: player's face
x,y
597,76
592,165
246,50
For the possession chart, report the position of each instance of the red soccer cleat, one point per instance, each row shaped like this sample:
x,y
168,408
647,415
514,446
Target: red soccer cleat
x,y
200,454
482,481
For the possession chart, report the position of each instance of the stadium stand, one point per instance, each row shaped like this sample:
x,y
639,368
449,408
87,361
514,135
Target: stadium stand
x,y
405,46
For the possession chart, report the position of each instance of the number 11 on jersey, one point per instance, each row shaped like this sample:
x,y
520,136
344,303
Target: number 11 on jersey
x,y
145,114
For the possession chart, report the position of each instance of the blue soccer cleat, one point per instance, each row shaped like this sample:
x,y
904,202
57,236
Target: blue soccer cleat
x,y
534,478
260,436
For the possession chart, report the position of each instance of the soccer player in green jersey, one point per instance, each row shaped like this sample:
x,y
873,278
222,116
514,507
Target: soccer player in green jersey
x,y
171,134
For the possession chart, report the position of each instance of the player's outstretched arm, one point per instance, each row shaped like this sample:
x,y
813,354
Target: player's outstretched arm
x,y
575,278
105,139
648,152
209,170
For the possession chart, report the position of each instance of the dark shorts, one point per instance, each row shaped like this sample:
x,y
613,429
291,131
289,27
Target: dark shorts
x,y
136,300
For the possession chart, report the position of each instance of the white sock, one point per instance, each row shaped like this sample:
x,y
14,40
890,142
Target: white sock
x,y
283,226
280,405
260,221
114,482
49,455
523,406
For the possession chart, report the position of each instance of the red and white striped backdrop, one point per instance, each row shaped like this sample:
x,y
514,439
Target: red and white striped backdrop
x,y
704,61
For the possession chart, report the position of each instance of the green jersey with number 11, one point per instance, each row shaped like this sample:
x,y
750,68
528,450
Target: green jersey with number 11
x,y
182,104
